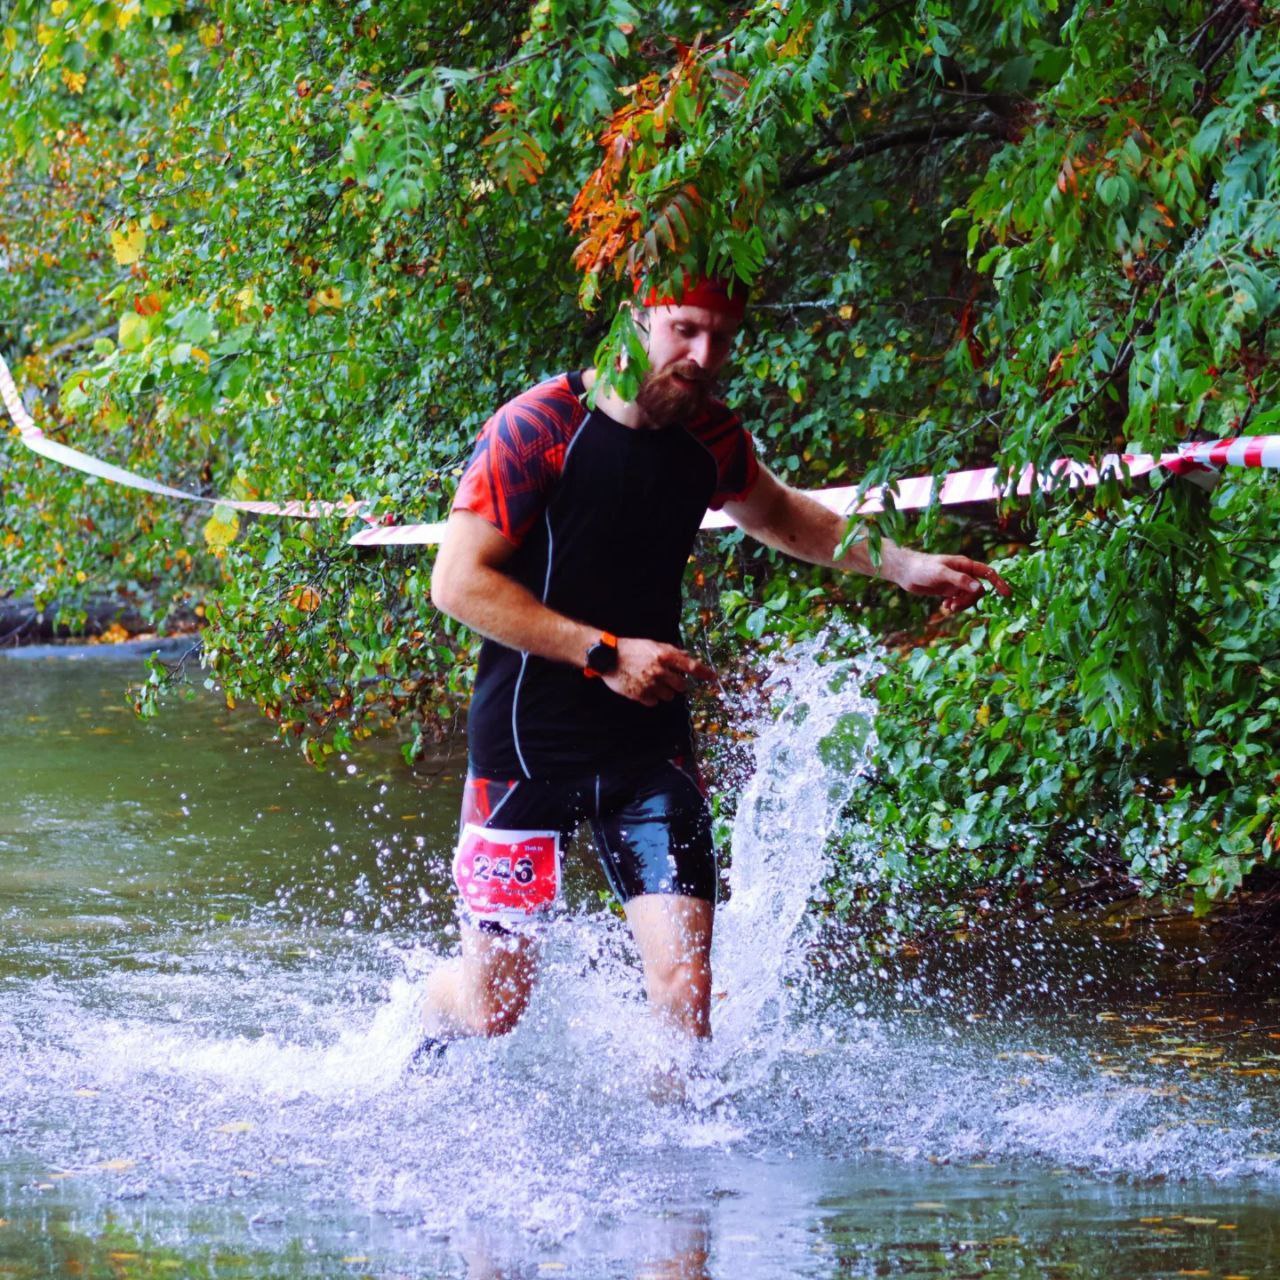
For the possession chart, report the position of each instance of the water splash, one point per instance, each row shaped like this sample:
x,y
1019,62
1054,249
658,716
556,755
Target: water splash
x,y
813,749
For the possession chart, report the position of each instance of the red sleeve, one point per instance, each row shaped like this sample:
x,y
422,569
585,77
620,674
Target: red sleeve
x,y
721,433
519,456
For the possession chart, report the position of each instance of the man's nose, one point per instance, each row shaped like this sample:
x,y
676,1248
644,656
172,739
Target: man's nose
x,y
700,351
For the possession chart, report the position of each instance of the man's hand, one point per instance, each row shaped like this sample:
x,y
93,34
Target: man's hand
x,y
956,578
649,672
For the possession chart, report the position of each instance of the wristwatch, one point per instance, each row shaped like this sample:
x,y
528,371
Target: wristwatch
x,y
602,656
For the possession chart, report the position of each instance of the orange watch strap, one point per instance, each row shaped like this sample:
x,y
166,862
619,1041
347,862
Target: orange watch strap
x,y
606,637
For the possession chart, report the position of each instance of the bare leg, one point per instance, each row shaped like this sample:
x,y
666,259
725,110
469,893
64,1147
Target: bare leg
x,y
674,937
483,991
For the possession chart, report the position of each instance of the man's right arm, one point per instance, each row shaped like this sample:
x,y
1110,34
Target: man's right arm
x,y
468,583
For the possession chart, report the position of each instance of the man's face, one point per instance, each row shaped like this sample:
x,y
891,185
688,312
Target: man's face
x,y
687,347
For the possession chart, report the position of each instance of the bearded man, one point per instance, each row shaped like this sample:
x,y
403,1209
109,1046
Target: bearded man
x,y
566,548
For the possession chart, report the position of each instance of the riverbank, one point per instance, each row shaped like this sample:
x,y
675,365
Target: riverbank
x,y
102,619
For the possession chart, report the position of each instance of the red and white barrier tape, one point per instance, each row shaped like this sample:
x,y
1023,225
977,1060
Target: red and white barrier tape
x,y
36,440
982,485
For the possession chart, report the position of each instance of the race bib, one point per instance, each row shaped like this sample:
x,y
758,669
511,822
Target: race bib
x,y
507,875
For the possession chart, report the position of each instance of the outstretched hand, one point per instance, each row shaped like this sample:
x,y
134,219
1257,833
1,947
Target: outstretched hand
x,y
957,579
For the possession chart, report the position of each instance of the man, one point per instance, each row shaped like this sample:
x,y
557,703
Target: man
x,y
566,548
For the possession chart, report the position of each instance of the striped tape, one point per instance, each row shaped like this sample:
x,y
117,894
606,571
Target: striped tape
x,y
38,442
986,484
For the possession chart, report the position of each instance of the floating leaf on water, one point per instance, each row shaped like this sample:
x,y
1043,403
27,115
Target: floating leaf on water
x,y
929,1204
117,1166
87,1093
1201,1222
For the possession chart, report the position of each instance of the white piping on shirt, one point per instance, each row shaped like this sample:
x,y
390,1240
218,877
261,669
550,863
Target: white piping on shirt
x,y
546,591
511,790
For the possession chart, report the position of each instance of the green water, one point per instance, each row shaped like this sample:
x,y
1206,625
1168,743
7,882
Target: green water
x,y
209,963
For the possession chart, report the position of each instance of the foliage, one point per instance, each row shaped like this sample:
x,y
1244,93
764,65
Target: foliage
x,y
303,250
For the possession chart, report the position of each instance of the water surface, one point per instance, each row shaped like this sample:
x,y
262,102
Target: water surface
x,y
210,962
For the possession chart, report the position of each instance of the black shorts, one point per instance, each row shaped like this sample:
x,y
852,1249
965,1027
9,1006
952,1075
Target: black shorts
x,y
651,824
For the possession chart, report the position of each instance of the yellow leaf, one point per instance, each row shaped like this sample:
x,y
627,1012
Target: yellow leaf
x,y
305,598
128,244
846,312
10,39
117,1166
984,715
44,35
199,353
330,297
133,332
235,1126
74,80
59,7
126,13
157,221
221,528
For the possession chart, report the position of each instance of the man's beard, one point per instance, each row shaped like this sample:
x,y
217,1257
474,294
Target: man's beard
x,y
667,400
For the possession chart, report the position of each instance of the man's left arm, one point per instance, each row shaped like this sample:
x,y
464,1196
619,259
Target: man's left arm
x,y
791,521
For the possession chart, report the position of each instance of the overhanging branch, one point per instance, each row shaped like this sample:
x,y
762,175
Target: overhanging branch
x,y
985,122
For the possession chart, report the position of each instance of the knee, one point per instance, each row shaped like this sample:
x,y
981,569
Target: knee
x,y
682,985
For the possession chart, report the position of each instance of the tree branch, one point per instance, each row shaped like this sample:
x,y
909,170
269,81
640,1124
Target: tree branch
x,y
985,122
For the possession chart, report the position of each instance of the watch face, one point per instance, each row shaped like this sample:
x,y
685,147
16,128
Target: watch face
x,y
602,657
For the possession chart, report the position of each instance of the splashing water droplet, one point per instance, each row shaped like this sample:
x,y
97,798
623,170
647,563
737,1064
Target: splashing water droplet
x,y
808,761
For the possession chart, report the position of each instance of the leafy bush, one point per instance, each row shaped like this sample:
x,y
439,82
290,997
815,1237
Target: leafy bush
x,y
304,251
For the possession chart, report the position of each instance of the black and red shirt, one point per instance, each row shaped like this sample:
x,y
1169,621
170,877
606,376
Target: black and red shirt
x,y
602,517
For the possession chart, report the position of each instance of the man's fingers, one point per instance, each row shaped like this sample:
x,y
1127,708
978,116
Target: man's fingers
x,y
686,664
979,570
956,583
672,680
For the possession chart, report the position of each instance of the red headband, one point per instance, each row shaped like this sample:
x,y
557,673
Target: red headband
x,y
708,292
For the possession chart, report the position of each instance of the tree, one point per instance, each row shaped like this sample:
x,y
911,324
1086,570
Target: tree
x,y
304,251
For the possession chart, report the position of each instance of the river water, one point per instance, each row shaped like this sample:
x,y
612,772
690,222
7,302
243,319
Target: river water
x,y
211,957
